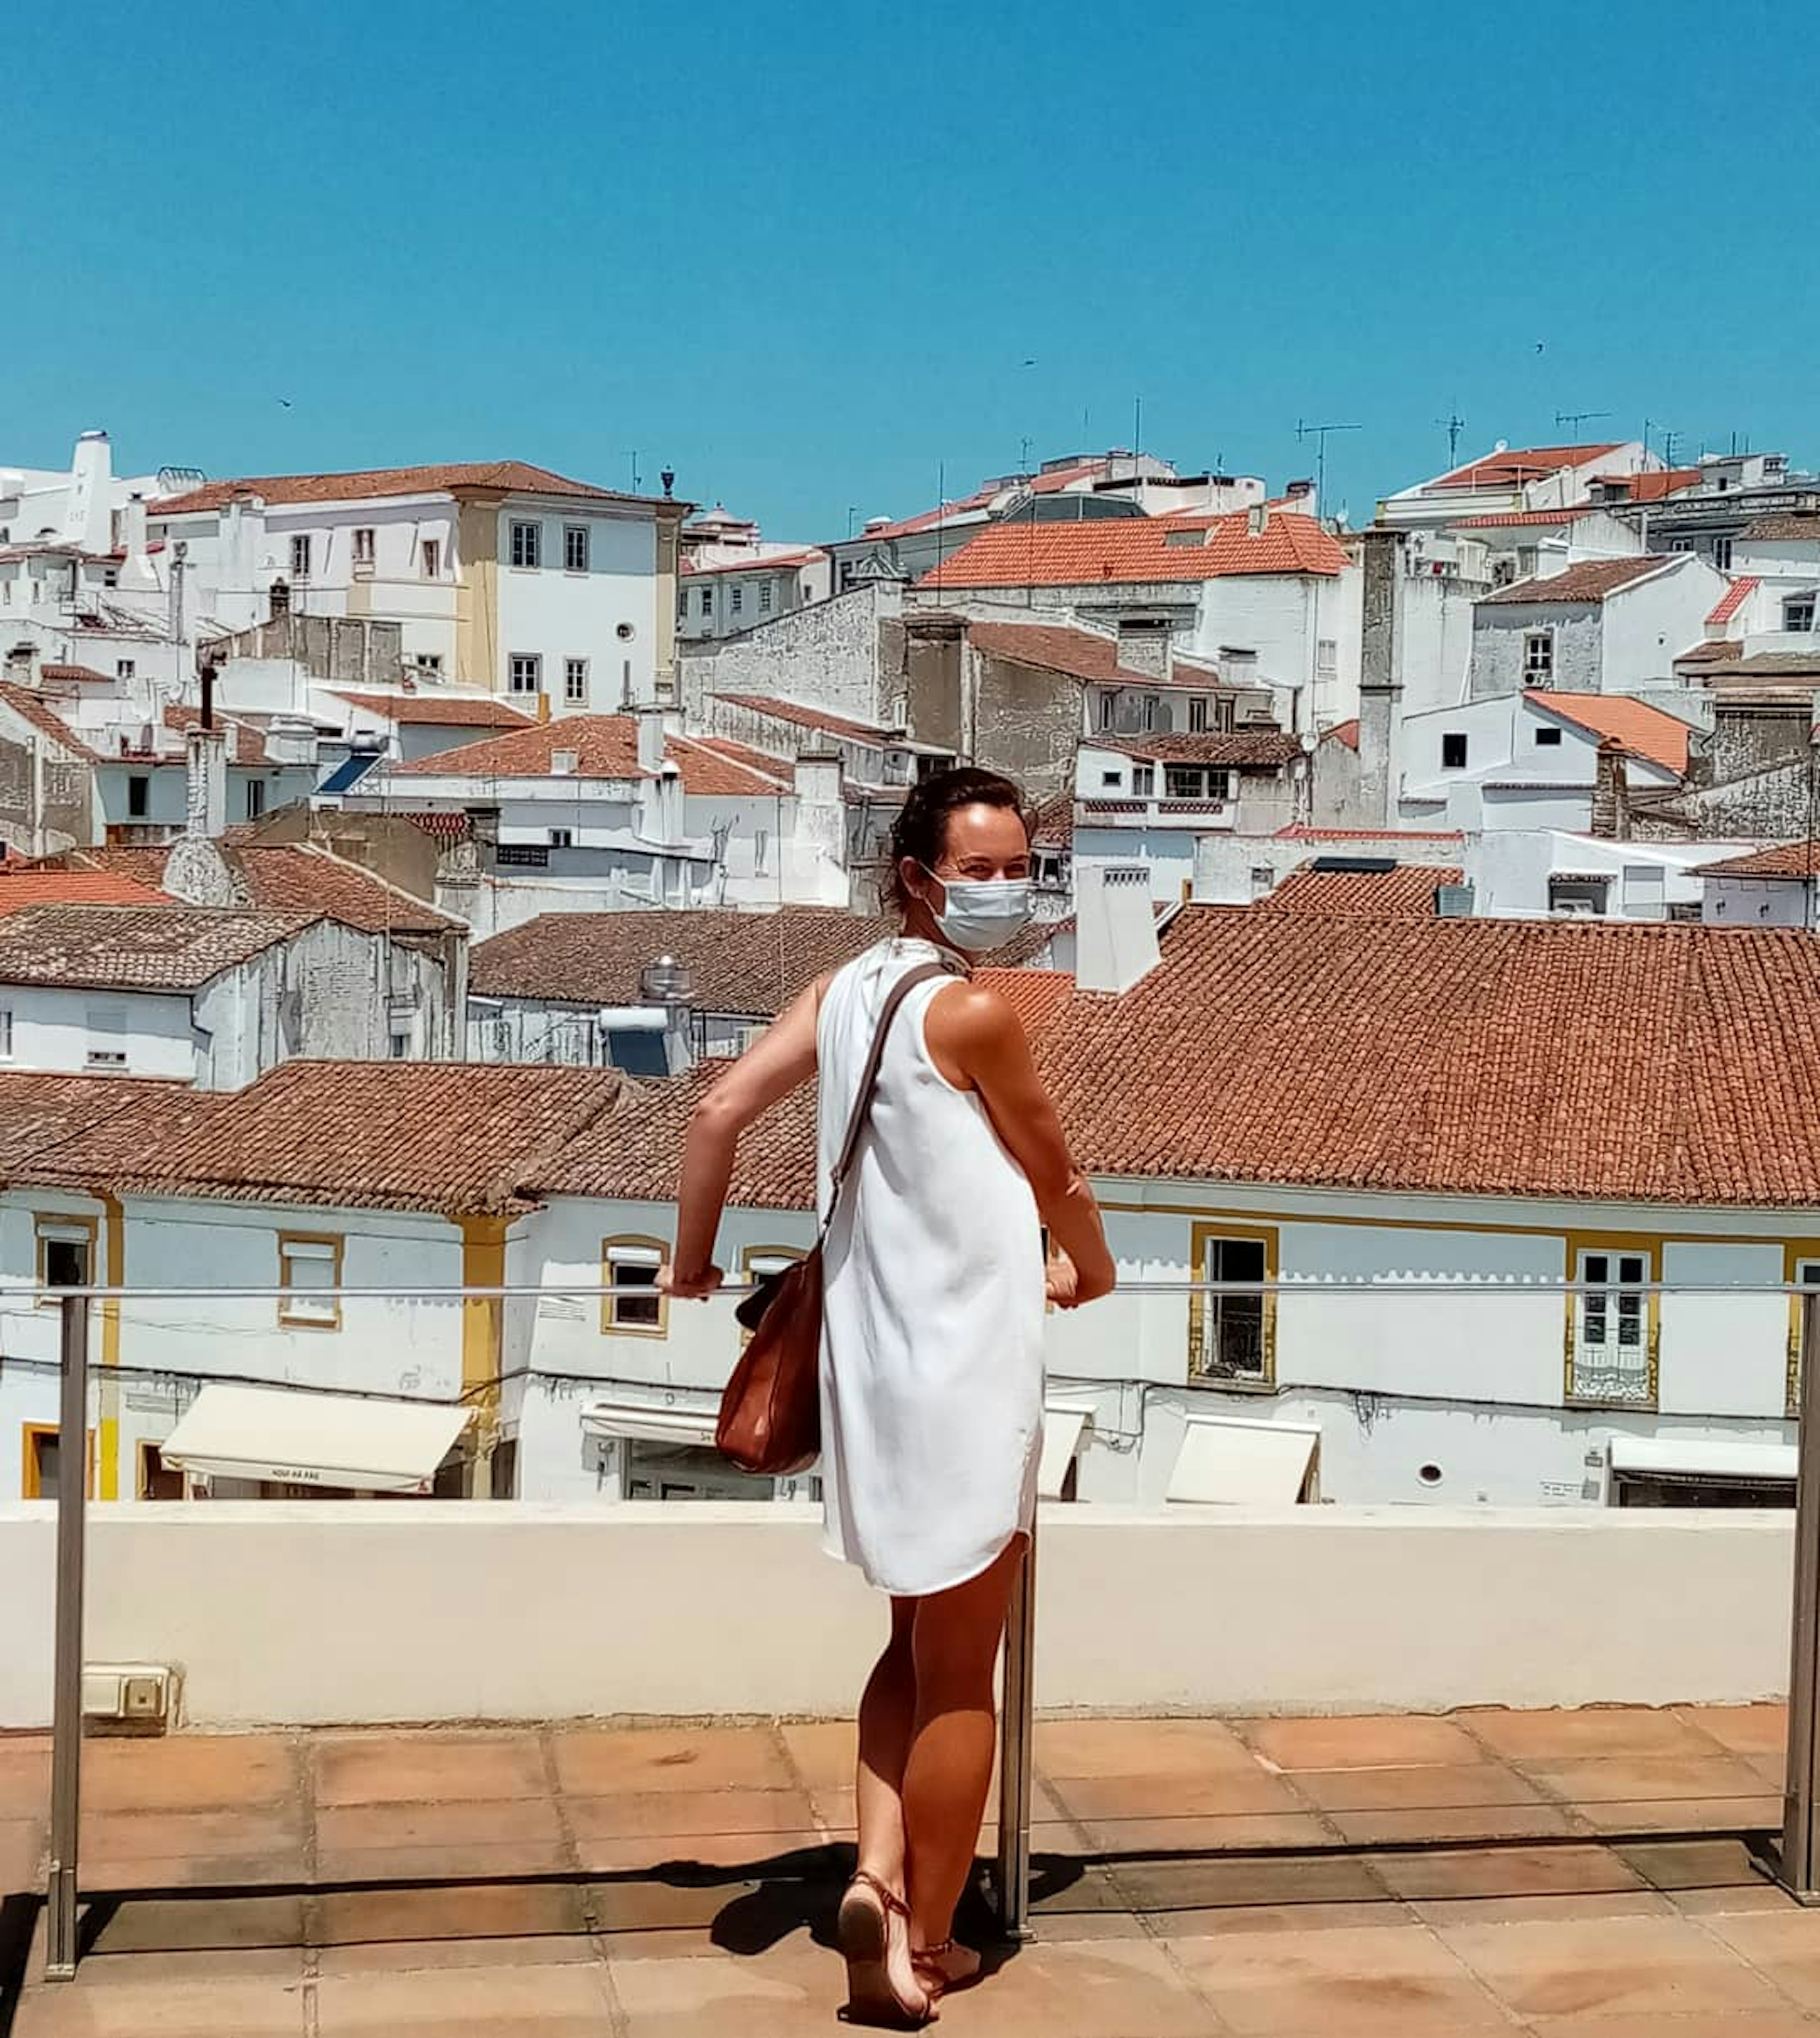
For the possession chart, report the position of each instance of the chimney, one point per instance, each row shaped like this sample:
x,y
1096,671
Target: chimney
x,y
1610,812
1144,647
206,786
1381,680
1115,924
651,733
89,516
1256,520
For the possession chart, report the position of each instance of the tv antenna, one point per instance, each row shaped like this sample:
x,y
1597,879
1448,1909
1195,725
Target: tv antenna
x,y
1453,424
631,454
1574,419
1318,434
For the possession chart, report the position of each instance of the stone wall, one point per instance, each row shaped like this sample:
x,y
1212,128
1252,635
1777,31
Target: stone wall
x,y
825,656
339,650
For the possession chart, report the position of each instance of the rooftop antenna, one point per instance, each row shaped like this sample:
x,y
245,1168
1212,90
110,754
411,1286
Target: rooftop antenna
x,y
1318,434
1574,419
1453,424
1137,429
633,456
1669,437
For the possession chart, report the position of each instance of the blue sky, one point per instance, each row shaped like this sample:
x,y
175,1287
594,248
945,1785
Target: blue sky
x,y
809,255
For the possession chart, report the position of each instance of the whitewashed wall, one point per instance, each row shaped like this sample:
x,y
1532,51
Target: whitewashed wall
x,y
560,614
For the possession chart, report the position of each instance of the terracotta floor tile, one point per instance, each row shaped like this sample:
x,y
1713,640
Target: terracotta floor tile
x,y
621,1853
1255,1919
21,1854
1414,1790
1138,1747
600,1761
200,1925
389,1768
467,1861
24,1777
1503,1871
129,1836
1192,1794
1698,1864
1683,1815
1397,1980
1560,1736
1281,1832
1607,1779
403,1956
1464,1822
823,1752
1389,1742
1608,1967
1785,1944
1201,1885
1761,1729
1442,1911
187,1773
833,1805
792,1989
485,1822
185,2008
1096,1988
272,1967
543,2002
344,1919
1723,2024
660,1815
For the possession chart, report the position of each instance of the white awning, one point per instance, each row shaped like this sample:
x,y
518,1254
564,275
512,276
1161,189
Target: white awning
x,y
649,1423
1227,1459
1061,1428
299,1439
1703,1457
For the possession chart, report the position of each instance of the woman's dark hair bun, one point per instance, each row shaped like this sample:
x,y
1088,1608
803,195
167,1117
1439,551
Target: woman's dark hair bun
x,y
920,832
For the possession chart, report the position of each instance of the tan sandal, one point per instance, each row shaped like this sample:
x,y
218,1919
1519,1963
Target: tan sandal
x,y
875,1938
947,1968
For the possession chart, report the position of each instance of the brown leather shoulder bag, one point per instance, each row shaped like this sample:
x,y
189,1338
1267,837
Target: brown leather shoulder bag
x,y
771,1412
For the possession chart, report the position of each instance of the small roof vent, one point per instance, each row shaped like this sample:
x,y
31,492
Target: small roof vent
x,y
667,982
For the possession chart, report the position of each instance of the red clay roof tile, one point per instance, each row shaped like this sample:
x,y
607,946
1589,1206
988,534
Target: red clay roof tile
x,y
1132,549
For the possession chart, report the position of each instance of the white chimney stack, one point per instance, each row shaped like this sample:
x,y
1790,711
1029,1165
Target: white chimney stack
x,y
89,515
1115,926
651,739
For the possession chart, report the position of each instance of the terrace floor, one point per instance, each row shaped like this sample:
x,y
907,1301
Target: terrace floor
x,y
1566,1873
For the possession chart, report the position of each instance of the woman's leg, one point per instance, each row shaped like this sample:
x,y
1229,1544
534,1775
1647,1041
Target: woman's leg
x,y
887,1712
955,1643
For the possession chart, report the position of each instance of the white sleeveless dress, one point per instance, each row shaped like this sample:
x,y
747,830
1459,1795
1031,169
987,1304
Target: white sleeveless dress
x,y
931,1338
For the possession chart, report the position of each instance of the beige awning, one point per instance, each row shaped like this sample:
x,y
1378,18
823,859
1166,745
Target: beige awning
x,y
303,1439
1232,1461
647,1422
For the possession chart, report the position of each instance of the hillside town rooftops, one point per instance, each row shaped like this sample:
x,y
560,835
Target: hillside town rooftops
x,y
137,948
601,746
24,884
1659,737
1404,890
1587,580
485,477
1510,467
1076,654
1139,549
1782,526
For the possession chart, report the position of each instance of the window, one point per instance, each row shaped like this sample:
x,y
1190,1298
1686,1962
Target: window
x,y
255,798
1114,779
562,838
1538,658
1144,780
1680,544
363,545
738,598
1798,612
526,672
398,1046
764,597
575,547
309,1267
707,601
138,797
107,1033
124,668
40,1461
1686,909
1108,708
1184,781
429,554
1612,1329
1548,739
66,1252
157,1480
528,544
1579,898
5,1035
1453,750
759,1263
429,665
1232,1338
1722,554
632,1304
1326,657
1198,716
300,557
522,856
110,576
575,681
1806,1273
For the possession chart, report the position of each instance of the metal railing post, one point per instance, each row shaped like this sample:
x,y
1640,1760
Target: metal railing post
x,y
66,1713
1015,1740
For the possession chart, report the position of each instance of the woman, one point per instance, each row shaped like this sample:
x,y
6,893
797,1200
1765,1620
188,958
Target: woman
x,y
931,1354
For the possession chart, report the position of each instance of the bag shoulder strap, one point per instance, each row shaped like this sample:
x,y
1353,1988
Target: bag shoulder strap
x,y
869,1076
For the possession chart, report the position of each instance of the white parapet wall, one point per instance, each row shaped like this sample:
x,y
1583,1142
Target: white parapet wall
x,y
277,1613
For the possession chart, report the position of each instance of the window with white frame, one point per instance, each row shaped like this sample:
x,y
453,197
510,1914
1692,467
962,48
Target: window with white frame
x,y
1198,716
1538,657
1611,1357
309,1265
1230,1336
124,668
629,1275
300,556
1326,657
1722,554
430,558
1797,612
528,544
764,593
562,838
526,672
106,1036
575,547
429,665
707,601
363,545
5,1034
1196,782
65,1252
1144,780
575,681
1108,709
738,598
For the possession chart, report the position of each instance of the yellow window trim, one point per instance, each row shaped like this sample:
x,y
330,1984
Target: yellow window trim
x,y
1633,1245
43,1223
750,1255
1794,1252
338,1245
631,1242
1204,1234
30,1487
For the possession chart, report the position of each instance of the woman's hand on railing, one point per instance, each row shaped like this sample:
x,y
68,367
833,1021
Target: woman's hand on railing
x,y
1064,1286
686,1287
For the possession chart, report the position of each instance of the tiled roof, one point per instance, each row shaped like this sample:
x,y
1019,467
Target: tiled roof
x,y
1304,831
1769,666
1714,650
1657,482
761,761
1734,598
34,709
1404,891
975,505
808,555
40,1113
247,739
1638,1063
1343,732
1255,747
1052,822
1077,654
1787,859
1513,466
85,676
29,884
514,477
438,710
795,713
1786,524
1516,517
456,1137
604,746
443,828
753,963
1588,580
1661,738
303,877
136,948
1131,549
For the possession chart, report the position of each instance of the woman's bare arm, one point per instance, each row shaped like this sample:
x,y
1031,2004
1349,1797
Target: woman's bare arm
x,y
782,1057
978,1044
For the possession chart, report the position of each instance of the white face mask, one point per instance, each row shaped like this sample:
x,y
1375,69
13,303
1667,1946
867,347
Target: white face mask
x,y
983,914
